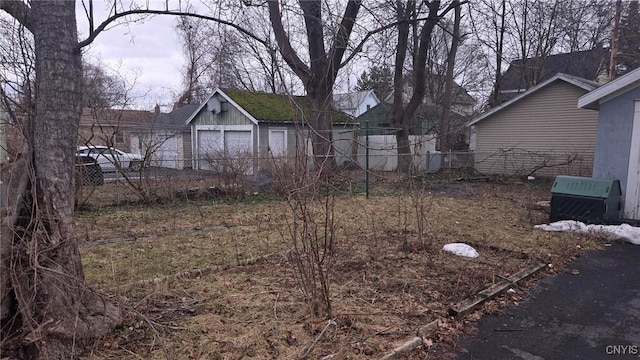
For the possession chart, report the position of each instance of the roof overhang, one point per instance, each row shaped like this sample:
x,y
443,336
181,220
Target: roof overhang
x,y
219,92
593,99
579,82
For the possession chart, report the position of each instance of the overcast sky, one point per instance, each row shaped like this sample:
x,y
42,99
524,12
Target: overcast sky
x,y
147,52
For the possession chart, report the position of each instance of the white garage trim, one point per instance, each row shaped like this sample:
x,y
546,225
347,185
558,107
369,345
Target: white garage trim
x,y
632,192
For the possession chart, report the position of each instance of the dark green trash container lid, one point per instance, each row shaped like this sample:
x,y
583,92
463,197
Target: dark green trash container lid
x,y
584,186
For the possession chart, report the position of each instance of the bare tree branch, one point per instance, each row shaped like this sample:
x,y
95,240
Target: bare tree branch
x,y
342,38
358,48
92,36
19,11
286,50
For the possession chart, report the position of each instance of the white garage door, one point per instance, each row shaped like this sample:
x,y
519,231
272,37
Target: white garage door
x,y
237,143
168,153
238,147
209,148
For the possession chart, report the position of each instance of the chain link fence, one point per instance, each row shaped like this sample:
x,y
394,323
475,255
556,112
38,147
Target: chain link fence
x,y
547,163
194,179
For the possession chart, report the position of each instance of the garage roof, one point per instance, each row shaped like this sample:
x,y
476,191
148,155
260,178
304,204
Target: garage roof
x,y
269,107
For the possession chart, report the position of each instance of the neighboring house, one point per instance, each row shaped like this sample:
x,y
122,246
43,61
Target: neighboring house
x,y
378,119
541,131
377,130
355,103
170,139
117,128
523,74
617,152
426,120
461,102
240,124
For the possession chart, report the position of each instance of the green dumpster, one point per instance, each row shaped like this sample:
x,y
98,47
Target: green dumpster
x,y
593,201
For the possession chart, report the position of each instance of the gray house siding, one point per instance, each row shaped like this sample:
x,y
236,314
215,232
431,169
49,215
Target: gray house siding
x,y
296,140
291,143
539,132
232,116
263,140
187,149
615,127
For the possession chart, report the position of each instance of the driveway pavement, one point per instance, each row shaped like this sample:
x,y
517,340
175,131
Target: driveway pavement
x,y
592,314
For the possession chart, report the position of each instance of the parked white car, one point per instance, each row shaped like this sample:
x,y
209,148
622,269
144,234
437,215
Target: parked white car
x,y
111,159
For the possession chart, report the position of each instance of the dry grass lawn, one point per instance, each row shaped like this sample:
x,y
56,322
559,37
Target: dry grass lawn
x,y
173,269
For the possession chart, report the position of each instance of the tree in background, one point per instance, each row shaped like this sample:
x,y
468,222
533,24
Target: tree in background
x,y
103,89
628,57
584,24
219,56
532,31
318,75
403,112
379,79
490,16
194,51
213,54
444,134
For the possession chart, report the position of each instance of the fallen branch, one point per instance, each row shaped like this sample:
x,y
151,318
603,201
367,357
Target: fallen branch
x,y
329,323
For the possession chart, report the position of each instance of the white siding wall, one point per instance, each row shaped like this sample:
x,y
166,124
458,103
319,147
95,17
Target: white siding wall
x,y
367,104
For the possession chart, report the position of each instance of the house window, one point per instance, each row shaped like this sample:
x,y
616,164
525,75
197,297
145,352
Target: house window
x,y
118,137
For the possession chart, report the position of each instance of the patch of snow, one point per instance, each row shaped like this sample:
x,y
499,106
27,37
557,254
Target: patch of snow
x,y
625,232
461,249
530,178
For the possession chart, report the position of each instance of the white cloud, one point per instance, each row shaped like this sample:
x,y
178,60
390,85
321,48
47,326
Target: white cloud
x,y
147,51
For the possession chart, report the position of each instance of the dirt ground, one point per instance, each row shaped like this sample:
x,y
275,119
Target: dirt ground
x,y
388,275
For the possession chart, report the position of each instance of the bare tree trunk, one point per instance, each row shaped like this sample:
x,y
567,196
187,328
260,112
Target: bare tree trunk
x,y
400,120
495,96
319,75
402,115
321,131
614,41
51,313
445,129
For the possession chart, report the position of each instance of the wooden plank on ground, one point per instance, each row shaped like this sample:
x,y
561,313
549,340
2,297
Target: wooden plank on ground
x,y
467,305
406,348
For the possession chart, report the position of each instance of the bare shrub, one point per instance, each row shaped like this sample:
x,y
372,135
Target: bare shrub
x,y
422,203
311,228
232,168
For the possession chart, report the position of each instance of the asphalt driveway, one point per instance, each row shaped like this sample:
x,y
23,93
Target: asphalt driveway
x,y
591,313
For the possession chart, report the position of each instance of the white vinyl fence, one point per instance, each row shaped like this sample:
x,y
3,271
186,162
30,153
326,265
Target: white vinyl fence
x,y
383,151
